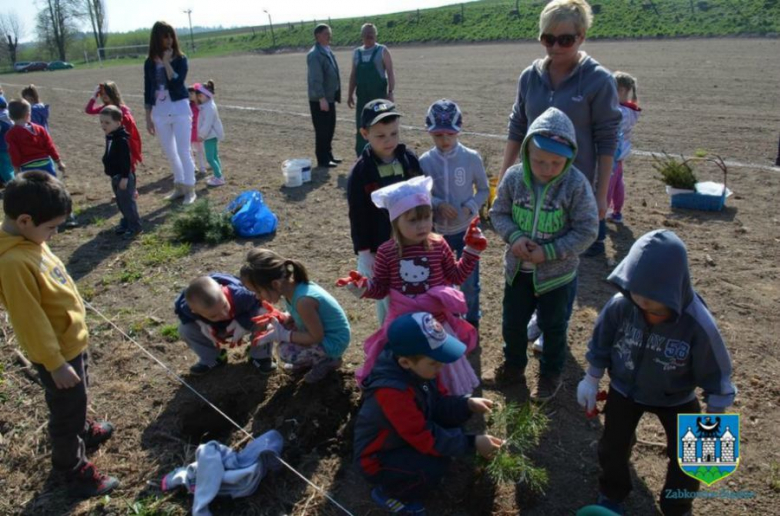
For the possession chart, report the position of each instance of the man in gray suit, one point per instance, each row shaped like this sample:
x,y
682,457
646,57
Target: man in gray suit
x,y
324,91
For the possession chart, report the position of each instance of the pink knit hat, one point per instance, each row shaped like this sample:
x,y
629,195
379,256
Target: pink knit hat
x,y
401,197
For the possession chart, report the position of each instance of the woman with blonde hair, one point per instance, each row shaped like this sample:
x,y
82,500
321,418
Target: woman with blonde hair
x,y
572,81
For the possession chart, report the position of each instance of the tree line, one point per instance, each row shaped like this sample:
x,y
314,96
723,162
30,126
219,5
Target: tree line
x,y
56,25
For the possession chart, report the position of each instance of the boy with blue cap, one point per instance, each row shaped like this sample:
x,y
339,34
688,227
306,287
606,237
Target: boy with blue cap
x,y
408,428
546,213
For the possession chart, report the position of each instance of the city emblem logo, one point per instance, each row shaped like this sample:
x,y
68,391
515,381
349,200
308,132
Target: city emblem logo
x,y
708,445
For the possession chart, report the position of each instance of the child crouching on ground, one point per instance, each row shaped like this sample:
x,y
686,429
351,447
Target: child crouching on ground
x,y
659,342
408,428
318,333
546,213
417,269
216,312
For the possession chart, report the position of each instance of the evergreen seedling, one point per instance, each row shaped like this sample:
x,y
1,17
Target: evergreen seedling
x,y
677,174
521,427
199,223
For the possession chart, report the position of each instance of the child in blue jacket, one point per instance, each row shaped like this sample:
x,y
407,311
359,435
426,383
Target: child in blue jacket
x,y
216,312
408,428
659,342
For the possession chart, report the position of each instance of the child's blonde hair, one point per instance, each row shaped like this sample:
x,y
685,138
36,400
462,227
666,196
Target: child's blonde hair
x,y
561,11
111,90
422,211
627,81
31,92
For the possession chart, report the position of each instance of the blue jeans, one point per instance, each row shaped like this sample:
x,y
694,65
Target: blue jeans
x,y
126,201
471,286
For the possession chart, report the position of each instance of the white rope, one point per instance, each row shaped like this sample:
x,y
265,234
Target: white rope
x,y
205,400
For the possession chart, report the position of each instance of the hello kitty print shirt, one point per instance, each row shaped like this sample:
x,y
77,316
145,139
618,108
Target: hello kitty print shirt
x,y
419,269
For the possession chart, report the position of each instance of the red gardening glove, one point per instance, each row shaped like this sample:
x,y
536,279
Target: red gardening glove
x,y
475,239
355,278
282,317
601,396
356,283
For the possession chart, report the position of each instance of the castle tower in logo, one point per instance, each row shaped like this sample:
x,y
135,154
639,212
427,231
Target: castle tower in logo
x,y
707,446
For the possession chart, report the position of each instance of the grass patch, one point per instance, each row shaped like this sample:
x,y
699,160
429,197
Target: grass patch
x,y
200,223
98,222
170,332
155,251
485,20
774,476
149,507
87,293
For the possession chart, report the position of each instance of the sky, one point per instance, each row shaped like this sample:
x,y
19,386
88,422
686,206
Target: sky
x,y
128,15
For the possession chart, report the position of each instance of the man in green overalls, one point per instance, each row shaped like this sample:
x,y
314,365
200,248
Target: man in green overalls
x,y
372,75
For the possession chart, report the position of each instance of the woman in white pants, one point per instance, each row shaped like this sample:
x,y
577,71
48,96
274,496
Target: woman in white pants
x,y
167,105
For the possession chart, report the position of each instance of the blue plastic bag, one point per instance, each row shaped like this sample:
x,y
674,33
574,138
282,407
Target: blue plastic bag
x,y
251,217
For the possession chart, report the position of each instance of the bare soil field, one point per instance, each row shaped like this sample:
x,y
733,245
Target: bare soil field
x,y
718,95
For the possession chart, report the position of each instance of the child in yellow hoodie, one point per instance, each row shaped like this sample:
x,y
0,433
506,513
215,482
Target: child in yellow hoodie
x,y
48,317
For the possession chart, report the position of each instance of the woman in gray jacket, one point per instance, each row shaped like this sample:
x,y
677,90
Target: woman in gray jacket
x,y
575,83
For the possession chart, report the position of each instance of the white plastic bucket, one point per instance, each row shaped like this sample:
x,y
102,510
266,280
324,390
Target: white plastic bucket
x,y
292,169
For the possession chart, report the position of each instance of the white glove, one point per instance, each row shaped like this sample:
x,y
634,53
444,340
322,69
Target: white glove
x,y
366,263
276,333
355,290
208,331
587,390
239,332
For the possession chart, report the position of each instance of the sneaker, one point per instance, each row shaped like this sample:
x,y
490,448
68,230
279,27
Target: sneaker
x,y
97,433
295,369
71,222
130,234
120,230
597,248
200,368
264,365
617,218
534,332
538,346
215,181
321,370
509,374
611,505
189,195
547,387
87,482
396,506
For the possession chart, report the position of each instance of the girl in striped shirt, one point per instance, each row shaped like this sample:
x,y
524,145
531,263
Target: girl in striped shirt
x,y
417,269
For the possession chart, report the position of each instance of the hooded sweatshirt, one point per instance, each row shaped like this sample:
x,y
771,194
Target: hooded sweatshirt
x,y
588,96
39,114
402,410
43,304
116,159
563,219
660,365
455,176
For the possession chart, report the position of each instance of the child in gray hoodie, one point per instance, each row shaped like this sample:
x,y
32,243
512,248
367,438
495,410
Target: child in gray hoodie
x,y
659,342
546,212
460,188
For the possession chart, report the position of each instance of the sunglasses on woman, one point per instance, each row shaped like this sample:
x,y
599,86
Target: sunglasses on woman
x,y
564,40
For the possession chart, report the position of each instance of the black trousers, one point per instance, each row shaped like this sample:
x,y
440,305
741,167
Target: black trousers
x,y
324,129
67,417
621,417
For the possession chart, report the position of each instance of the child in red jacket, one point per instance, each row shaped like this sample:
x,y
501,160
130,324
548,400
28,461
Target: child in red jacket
x,y
29,145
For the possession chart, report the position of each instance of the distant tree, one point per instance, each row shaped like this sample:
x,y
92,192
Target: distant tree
x,y
96,10
11,29
56,25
